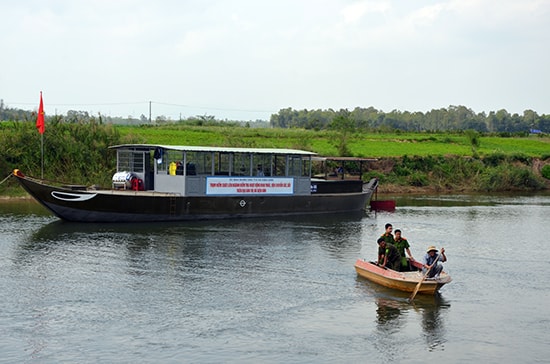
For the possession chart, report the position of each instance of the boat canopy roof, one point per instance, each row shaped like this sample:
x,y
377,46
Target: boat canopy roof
x,y
189,148
343,159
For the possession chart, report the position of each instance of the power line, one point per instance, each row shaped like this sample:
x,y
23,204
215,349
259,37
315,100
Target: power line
x,y
142,102
86,104
208,107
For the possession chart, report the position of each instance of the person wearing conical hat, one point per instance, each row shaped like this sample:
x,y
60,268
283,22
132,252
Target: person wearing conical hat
x,y
432,261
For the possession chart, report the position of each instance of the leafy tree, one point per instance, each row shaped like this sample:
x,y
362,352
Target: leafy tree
x,y
453,118
473,137
344,126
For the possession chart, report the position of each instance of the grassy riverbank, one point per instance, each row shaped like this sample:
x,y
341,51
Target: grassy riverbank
x,y
407,162
379,145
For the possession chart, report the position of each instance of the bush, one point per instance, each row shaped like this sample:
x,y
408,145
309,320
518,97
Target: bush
x,y
416,163
508,178
495,159
546,171
374,174
473,138
521,157
72,152
417,179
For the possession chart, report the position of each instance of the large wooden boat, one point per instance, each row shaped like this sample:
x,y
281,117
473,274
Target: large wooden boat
x,y
178,183
403,281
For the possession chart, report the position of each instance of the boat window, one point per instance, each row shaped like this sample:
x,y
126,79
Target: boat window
x,y
199,163
306,166
298,166
279,165
130,161
241,164
171,163
222,162
262,165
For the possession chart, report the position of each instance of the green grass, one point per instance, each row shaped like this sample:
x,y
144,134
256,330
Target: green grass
x,y
443,162
324,142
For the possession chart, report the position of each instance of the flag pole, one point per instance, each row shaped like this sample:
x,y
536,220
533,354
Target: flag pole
x,y
42,154
41,126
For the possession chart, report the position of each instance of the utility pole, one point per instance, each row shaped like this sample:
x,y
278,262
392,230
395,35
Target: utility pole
x,y
149,112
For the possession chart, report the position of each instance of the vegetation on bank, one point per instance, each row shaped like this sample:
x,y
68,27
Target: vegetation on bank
x,y
452,118
495,172
330,142
370,119
442,162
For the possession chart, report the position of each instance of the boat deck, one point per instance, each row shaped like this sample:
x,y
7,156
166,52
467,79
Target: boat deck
x,y
134,193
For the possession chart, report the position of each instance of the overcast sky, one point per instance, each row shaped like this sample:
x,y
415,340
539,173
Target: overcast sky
x,y
247,59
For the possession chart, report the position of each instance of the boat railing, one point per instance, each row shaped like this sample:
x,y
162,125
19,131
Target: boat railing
x,y
42,181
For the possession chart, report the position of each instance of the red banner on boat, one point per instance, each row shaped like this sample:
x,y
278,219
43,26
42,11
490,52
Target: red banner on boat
x,y
40,125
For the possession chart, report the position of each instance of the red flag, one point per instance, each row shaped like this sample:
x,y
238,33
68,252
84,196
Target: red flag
x,y
40,125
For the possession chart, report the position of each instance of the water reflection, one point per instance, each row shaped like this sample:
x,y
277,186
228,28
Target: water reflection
x,y
58,229
433,323
472,199
394,312
390,317
387,312
22,207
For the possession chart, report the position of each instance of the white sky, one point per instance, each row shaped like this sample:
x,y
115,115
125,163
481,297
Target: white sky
x,y
247,59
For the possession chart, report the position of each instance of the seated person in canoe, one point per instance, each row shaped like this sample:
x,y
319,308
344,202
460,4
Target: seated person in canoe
x,y
432,261
403,246
388,255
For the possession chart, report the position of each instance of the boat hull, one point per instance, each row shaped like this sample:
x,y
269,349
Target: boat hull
x,y
402,281
84,205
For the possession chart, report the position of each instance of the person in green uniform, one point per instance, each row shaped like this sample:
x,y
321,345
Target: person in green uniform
x,y
388,255
388,236
403,246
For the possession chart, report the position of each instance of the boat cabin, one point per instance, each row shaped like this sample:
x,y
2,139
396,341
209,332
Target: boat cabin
x,y
201,171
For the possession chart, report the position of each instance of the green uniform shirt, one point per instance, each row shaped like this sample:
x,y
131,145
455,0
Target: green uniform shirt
x,y
401,245
388,238
394,259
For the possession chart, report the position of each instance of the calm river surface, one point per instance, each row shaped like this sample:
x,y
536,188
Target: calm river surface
x,y
275,290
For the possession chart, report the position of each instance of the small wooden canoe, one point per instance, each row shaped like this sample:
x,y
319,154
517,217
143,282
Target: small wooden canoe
x,y
403,281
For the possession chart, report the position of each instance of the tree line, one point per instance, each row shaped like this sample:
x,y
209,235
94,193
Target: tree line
x,y
81,117
453,118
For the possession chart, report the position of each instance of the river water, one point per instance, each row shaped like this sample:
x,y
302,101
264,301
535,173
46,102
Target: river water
x,y
275,290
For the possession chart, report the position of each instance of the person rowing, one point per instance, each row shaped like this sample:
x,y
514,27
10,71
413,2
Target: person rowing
x,y
432,261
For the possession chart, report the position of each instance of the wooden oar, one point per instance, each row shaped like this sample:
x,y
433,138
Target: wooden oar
x,y
422,280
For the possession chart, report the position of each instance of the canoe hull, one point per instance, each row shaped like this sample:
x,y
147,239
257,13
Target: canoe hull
x,y
402,281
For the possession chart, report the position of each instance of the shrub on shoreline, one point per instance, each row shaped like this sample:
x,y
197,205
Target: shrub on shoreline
x,y
78,153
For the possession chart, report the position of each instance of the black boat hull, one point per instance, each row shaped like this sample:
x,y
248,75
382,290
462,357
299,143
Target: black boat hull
x,y
147,206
